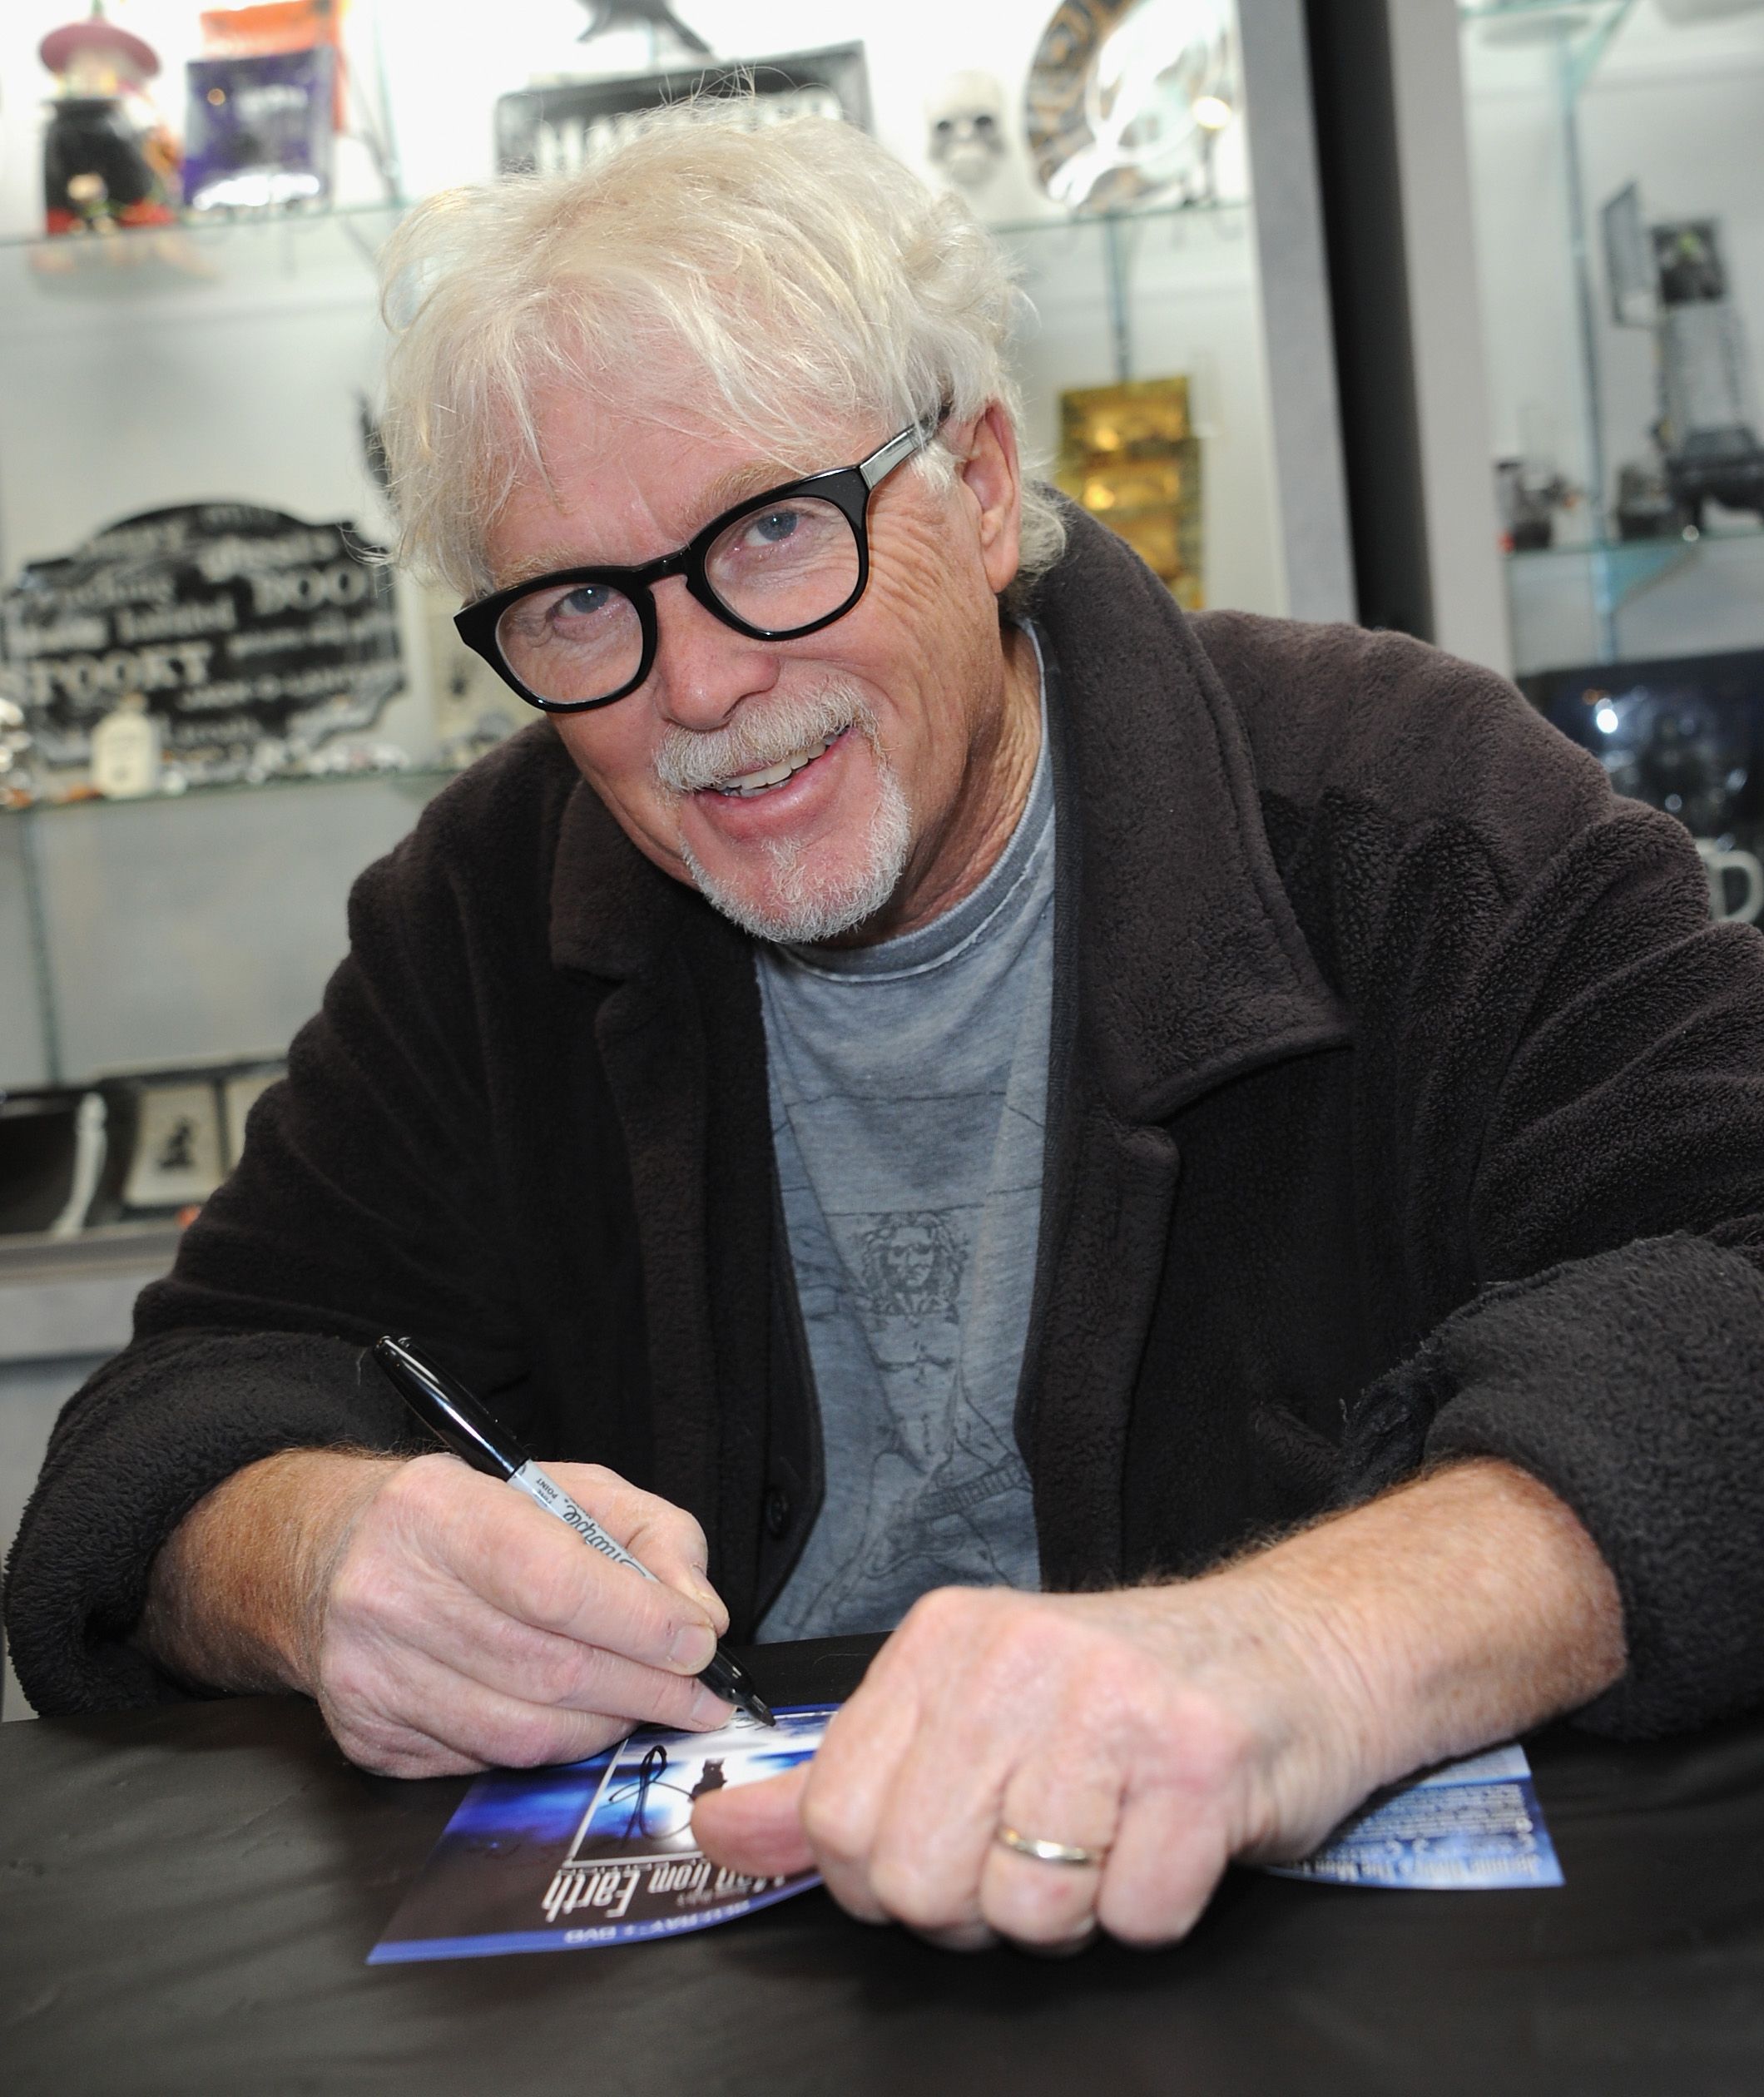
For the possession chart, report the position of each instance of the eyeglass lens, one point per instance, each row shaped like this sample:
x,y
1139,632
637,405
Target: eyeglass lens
x,y
780,568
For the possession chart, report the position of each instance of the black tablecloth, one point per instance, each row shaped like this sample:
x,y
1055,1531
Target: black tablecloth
x,y
187,1897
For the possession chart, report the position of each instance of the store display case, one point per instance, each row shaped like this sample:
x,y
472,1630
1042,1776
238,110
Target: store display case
x,y
1137,297
231,359
158,949
237,361
1618,166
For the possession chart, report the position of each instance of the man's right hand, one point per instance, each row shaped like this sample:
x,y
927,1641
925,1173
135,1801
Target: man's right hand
x,y
443,1622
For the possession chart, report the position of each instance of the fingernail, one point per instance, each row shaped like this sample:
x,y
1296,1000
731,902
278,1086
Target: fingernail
x,y
963,1936
708,1709
1062,1947
693,1645
710,1601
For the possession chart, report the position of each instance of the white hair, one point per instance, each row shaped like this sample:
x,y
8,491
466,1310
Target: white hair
x,y
794,272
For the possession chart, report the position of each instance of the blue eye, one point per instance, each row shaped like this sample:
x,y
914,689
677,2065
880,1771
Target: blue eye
x,y
774,526
583,602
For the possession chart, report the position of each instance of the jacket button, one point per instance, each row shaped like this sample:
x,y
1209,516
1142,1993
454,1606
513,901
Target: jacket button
x,y
777,1511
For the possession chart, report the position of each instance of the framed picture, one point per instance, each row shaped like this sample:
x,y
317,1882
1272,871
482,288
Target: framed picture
x,y
239,1094
148,1146
177,1156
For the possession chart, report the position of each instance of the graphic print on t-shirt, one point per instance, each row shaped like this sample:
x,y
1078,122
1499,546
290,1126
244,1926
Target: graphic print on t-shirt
x,y
908,1095
924,1475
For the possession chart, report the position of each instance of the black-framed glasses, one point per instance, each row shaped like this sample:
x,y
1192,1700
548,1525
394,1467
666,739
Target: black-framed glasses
x,y
781,564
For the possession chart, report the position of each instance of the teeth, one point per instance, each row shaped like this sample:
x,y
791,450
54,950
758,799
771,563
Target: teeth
x,y
747,784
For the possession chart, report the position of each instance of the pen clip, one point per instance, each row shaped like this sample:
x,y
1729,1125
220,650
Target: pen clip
x,y
447,1409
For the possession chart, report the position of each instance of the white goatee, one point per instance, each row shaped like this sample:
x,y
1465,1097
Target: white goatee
x,y
808,901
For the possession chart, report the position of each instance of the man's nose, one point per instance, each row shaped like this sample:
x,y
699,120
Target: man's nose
x,y
703,669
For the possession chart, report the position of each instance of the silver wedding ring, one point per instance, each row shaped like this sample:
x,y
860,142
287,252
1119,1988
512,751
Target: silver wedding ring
x,y
1046,1852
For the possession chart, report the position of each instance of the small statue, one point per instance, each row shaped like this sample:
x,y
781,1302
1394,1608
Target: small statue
x,y
16,786
966,121
106,164
652,15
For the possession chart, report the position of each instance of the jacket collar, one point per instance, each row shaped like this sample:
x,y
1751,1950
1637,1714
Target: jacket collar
x,y
614,913
1190,967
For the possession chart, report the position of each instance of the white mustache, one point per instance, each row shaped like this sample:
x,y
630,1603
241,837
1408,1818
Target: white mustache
x,y
762,734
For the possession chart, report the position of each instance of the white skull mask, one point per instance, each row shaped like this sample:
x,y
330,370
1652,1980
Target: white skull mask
x,y
966,122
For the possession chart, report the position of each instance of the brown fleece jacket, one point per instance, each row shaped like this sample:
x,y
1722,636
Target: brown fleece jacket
x,y
1405,1104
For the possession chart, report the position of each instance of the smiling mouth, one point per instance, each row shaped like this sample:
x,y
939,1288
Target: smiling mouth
x,y
745,785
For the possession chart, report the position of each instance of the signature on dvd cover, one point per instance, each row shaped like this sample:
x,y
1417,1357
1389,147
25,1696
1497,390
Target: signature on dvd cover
x,y
597,1853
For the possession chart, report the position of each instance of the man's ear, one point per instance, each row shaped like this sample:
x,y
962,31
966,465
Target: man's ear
x,y
991,478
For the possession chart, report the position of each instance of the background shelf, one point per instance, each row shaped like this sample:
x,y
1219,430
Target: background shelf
x,y
182,929
1636,599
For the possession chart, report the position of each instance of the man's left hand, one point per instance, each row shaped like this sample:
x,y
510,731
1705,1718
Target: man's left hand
x,y
1156,1728
1163,1731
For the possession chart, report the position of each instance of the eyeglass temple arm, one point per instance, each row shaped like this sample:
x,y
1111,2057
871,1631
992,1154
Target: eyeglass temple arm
x,y
880,463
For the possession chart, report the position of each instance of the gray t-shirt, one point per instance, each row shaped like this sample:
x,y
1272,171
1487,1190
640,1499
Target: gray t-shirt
x,y
909,1100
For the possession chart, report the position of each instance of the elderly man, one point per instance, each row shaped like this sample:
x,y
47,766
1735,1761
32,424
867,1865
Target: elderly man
x,y
1205,1170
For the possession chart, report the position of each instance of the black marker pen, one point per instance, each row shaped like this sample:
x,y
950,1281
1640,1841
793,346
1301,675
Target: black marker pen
x,y
460,1424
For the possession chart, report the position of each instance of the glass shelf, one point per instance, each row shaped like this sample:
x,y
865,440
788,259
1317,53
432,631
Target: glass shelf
x,y
344,222
421,780
265,221
1632,600
1579,32
1056,222
1670,545
1545,15
259,246
247,252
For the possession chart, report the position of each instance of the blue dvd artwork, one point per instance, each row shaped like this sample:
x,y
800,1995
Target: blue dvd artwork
x,y
596,1852
1470,1826
600,1853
